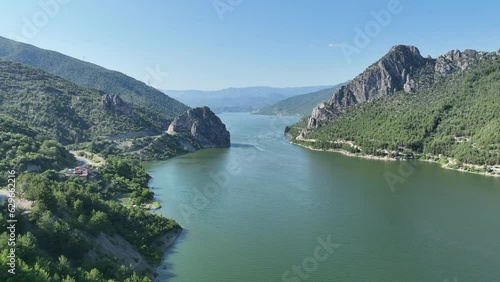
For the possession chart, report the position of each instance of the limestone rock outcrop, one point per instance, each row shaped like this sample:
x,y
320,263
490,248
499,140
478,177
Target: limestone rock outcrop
x,y
402,69
203,125
113,102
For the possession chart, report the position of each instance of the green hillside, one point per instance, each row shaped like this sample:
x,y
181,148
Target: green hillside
x,y
21,149
62,110
155,107
458,118
299,105
75,230
72,222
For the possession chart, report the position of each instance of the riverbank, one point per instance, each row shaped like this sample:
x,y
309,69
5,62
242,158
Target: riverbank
x,y
125,253
475,169
346,153
451,164
166,240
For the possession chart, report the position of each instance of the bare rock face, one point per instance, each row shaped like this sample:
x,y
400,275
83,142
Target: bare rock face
x,y
320,114
401,69
113,102
456,61
203,125
394,72
388,75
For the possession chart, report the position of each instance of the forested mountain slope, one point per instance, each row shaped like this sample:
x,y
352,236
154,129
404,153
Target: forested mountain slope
x,y
454,113
70,228
154,105
300,104
61,110
22,149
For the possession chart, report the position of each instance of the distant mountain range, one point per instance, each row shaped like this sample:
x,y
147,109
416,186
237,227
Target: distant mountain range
x,y
300,104
239,99
152,105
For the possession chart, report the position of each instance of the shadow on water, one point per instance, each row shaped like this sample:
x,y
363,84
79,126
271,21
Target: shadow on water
x,y
239,145
166,269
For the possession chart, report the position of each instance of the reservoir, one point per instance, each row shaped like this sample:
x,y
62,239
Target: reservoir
x,y
267,210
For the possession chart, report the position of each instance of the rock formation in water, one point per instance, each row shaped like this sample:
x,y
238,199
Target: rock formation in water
x,y
402,69
203,125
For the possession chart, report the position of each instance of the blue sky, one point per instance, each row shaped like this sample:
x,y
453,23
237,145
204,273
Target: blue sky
x,y
189,44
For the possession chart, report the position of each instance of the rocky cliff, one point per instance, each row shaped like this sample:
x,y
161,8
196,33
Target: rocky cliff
x,y
203,125
401,69
113,102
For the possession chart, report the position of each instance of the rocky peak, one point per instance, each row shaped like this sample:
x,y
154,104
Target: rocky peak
x,y
409,55
113,102
203,125
388,75
402,69
394,72
453,55
456,61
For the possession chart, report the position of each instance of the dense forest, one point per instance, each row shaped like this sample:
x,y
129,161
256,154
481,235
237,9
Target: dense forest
x,y
458,118
59,239
75,228
22,148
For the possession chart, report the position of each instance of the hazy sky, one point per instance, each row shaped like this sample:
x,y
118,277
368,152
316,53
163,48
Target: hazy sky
x,y
207,44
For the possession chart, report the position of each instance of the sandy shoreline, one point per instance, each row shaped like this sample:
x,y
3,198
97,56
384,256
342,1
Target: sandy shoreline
x,y
349,154
372,157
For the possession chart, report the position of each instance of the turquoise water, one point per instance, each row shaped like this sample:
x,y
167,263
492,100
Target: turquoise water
x,y
264,210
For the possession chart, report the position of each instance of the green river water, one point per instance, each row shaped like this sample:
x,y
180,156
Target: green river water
x,y
266,210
